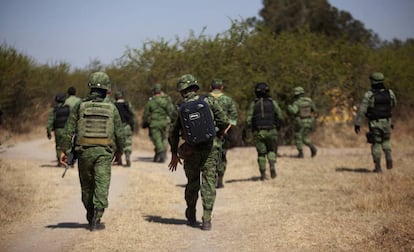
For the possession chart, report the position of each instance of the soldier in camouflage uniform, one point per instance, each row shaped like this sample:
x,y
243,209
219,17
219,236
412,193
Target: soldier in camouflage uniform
x,y
57,118
71,101
376,106
99,128
197,159
303,109
129,120
230,109
263,117
158,113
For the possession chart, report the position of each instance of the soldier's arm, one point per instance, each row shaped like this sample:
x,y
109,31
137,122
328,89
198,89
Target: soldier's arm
x,y
393,99
174,136
293,108
249,115
50,119
278,112
363,109
233,115
219,116
70,128
118,131
146,115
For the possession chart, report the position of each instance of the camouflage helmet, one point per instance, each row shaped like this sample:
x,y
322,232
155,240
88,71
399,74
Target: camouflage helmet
x,y
216,83
186,81
60,97
157,87
298,91
118,95
376,78
99,80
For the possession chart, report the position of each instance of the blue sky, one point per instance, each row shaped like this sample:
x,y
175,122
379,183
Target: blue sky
x,y
78,31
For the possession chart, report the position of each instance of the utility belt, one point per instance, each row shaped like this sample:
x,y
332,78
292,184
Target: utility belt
x,y
95,141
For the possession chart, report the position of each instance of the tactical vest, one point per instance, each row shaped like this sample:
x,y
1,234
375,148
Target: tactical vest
x,y
124,112
305,107
197,121
96,124
61,116
263,114
382,105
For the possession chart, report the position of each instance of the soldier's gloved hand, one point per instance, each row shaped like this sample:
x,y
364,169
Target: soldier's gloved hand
x,y
357,129
49,135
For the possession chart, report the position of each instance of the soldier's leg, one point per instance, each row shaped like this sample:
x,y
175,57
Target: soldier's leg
x,y
128,145
271,140
86,178
208,184
307,141
159,145
376,149
299,141
192,172
386,147
261,153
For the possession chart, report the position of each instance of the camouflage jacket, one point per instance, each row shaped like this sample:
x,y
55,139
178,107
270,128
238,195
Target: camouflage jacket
x,y
158,111
250,113
227,104
72,124
368,102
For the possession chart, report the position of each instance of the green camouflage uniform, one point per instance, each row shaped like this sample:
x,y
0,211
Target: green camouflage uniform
x,y
230,109
71,101
379,128
59,132
158,113
203,160
265,138
302,109
129,127
95,152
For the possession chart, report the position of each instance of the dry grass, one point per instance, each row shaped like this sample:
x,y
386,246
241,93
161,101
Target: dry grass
x,y
330,203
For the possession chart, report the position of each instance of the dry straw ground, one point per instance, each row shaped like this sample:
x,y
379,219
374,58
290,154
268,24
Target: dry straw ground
x,y
329,203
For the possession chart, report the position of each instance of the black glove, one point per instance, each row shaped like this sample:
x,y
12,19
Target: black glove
x,y
357,129
49,135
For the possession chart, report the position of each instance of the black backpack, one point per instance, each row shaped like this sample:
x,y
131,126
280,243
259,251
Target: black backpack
x,y
197,122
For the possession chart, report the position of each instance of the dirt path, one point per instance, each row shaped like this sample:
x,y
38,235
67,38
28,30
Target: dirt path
x,y
320,204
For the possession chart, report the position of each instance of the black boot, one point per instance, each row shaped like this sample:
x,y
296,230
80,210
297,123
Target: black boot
x,y
388,159
313,150
263,175
300,154
89,214
96,220
220,181
377,167
190,214
163,157
127,159
272,171
206,225
157,157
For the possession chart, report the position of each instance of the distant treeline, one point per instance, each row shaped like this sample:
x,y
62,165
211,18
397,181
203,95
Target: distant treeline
x,y
241,56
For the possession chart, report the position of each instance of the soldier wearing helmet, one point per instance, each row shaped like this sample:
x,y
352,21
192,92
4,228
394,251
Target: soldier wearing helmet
x,y
129,121
99,132
377,106
303,110
159,111
264,117
230,109
57,118
198,158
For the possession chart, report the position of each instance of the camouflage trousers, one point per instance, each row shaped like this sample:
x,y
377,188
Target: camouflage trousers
x,y
158,137
59,133
94,165
381,129
204,161
128,139
302,129
265,141
222,159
